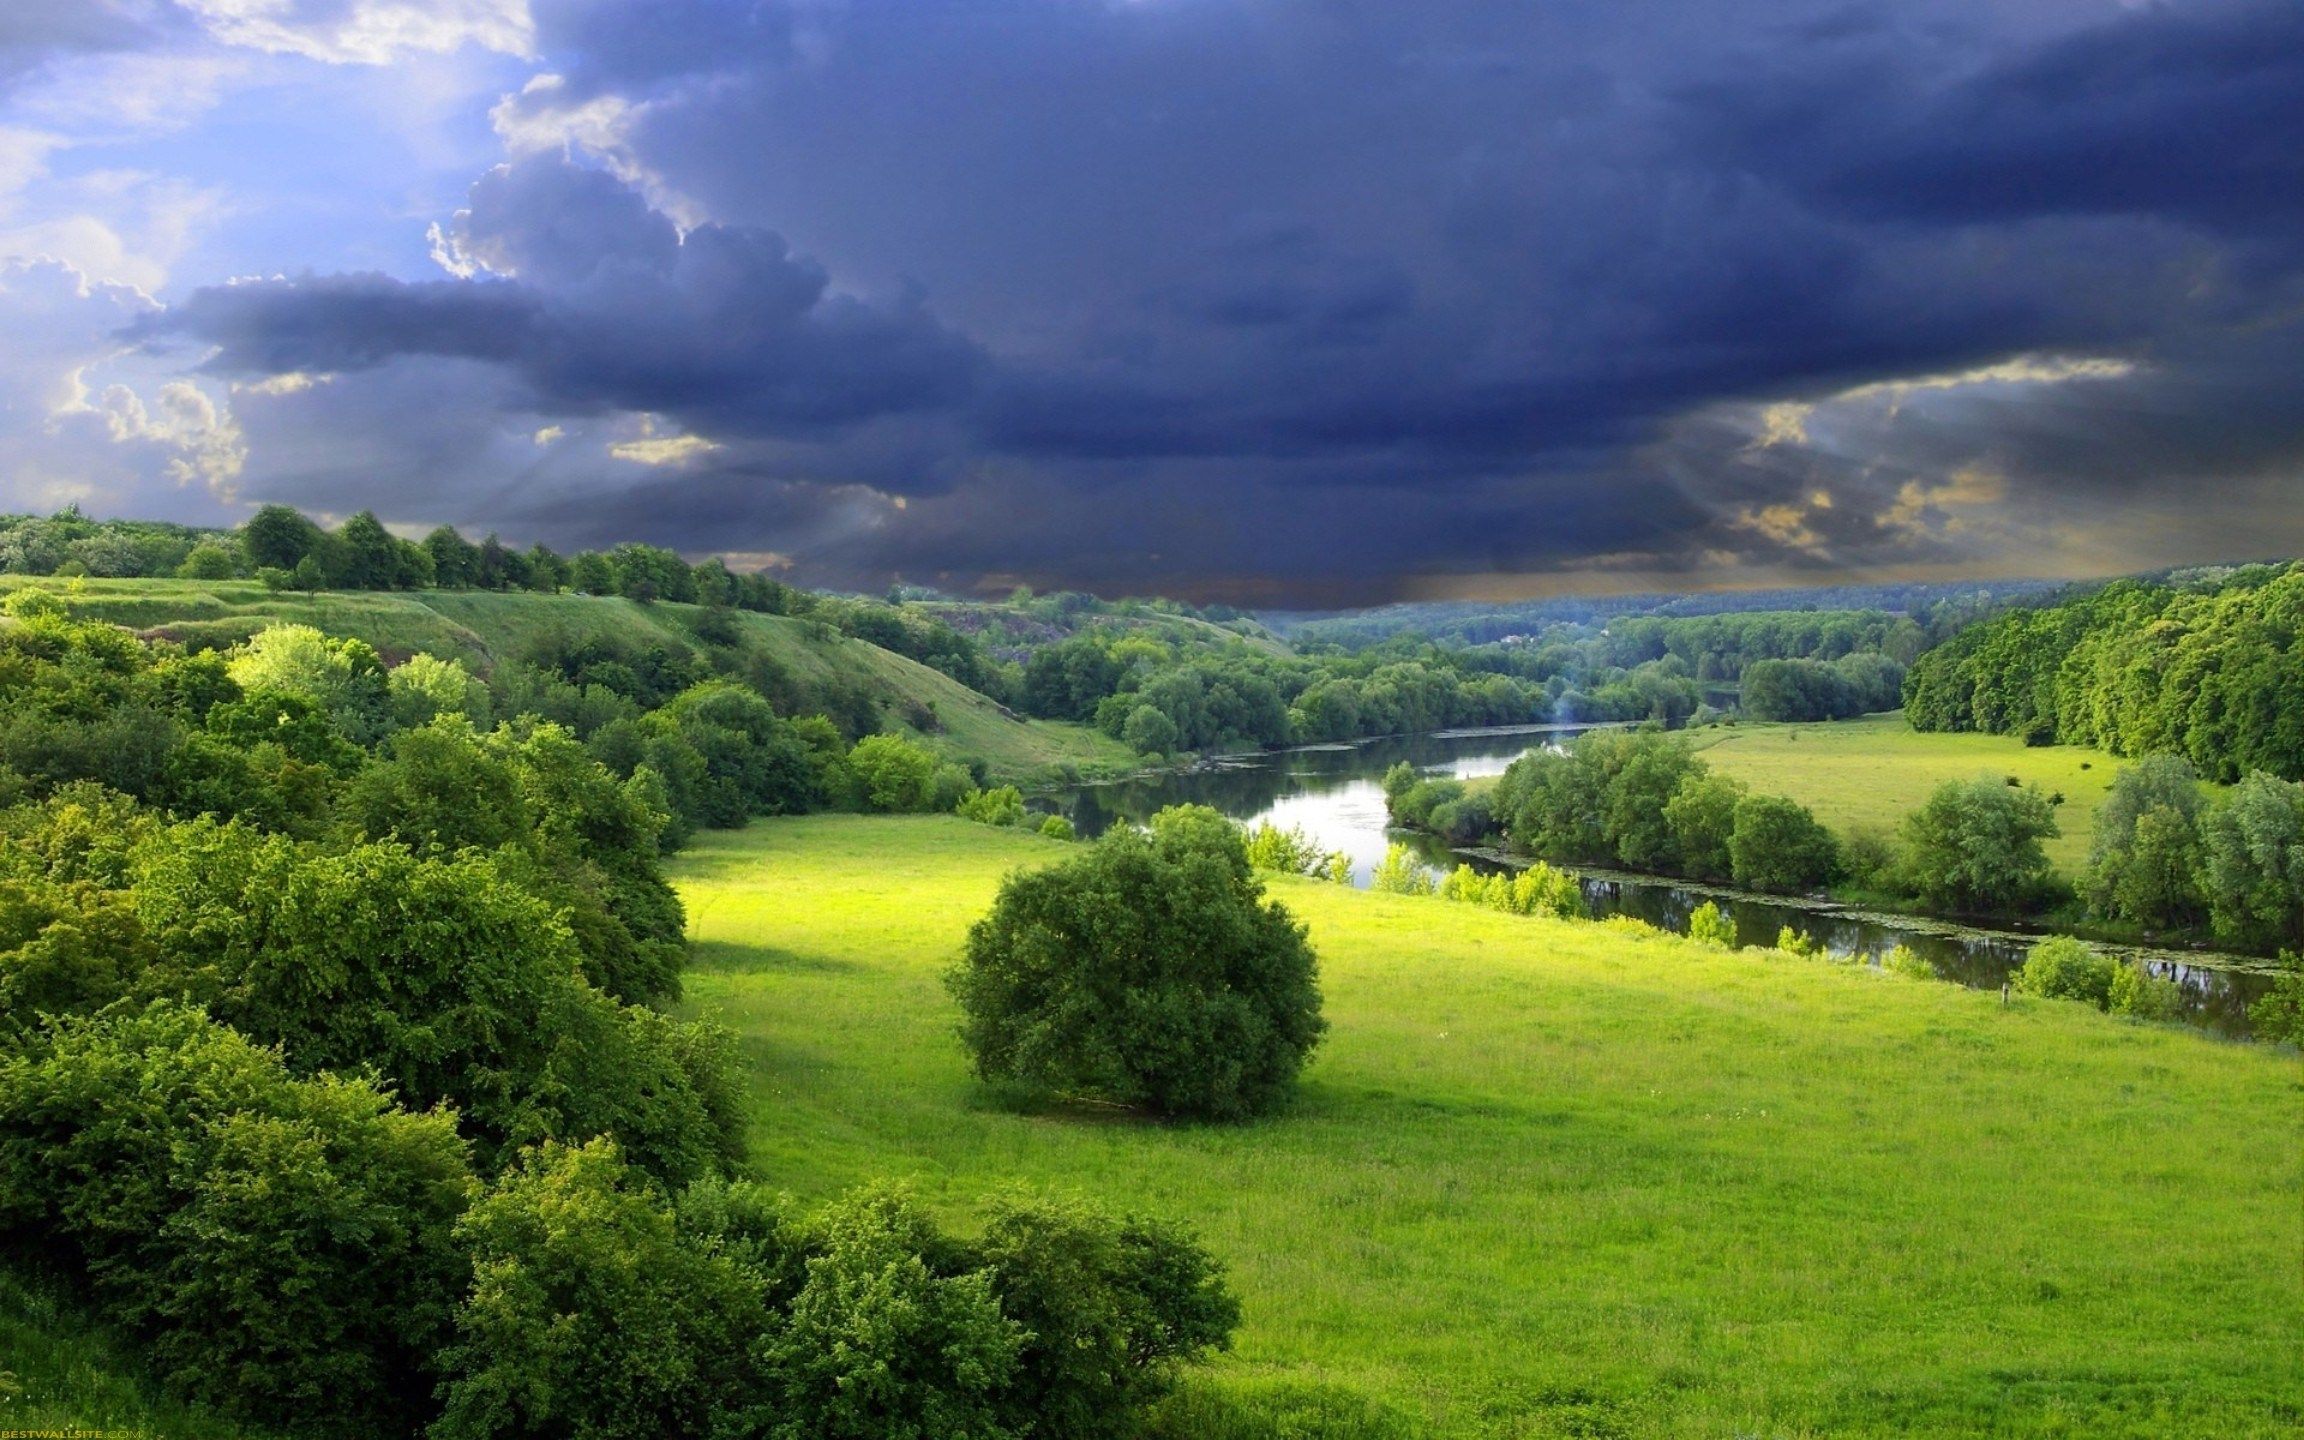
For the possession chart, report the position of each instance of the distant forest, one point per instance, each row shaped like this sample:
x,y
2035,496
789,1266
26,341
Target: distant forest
x,y
2207,665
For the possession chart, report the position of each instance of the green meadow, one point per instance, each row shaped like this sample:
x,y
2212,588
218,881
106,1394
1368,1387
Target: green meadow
x,y
1550,1178
1874,771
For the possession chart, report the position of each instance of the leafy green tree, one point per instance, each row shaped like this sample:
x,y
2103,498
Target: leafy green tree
x,y
894,774
1149,731
883,1343
2253,871
283,1245
590,1314
1778,845
1975,845
1708,926
2062,968
1401,872
208,561
1149,971
278,536
1111,1308
1701,816
2144,857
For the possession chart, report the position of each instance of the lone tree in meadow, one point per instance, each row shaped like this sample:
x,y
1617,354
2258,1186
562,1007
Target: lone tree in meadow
x,y
1149,972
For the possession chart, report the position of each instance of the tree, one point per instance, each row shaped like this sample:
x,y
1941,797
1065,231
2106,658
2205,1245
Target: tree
x,y
1975,846
279,537
2144,859
590,1314
1702,816
894,774
1149,971
370,560
1149,731
208,561
2253,845
1778,845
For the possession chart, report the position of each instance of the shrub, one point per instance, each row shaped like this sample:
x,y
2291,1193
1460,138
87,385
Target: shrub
x,y
1976,846
1056,827
881,1344
208,561
283,1244
1805,947
589,1314
1149,971
2278,1014
1542,890
1707,925
1291,852
1111,1308
2062,968
2136,991
1401,872
1778,845
894,774
1004,806
1904,960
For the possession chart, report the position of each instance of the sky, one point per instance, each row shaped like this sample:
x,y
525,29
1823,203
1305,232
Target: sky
x,y
1293,303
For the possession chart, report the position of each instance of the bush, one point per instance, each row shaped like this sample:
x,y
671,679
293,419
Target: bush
x,y
1778,845
2138,992
1707,925
1904,960
2278,1014
1805,947
2062,968
894,774
1976,846
1056,827
1111,1308
589,1314
1004,806
1292,852
1401,872
1148,972
283,1244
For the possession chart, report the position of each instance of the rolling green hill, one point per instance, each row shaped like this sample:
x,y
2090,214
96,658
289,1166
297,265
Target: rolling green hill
x,y
483,628
1552,1178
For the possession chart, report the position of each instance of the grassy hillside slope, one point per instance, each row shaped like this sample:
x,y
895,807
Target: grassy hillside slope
x,y
1876,770
1555,1179
482,627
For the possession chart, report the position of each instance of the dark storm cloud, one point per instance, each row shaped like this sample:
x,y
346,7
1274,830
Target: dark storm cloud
x,y
595,302
1253,294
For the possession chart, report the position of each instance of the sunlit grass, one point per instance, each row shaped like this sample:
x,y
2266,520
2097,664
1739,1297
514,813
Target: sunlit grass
x,y
1555,1179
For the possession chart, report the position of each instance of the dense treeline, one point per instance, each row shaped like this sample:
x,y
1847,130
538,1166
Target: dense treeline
x,y
334,1064
2212,670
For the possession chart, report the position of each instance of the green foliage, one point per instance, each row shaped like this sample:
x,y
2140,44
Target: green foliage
x,y
424,687
1778,845
1793,943
1149,971
1708,926
1149,731
1290,851
1401,872
1799,690
590,1314
1701,816
1111,1307
2209,671
1056,827
2278,1015
1975,846
2137,992
2253,863
1004,806
2062,968
894,774
882,1346
1904,960
2145,856
281,1244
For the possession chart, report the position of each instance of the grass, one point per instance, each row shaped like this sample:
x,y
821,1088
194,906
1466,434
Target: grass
x,y
481,628
1558,1179
1876,770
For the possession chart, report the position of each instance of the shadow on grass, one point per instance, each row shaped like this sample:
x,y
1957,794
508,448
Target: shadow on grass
x,y
734,959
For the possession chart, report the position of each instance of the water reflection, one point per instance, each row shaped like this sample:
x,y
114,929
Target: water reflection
x,y
1335,794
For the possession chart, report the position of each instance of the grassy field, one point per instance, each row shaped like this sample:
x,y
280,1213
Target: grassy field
x,y
481,628
1877,770
1554,1179
59,1376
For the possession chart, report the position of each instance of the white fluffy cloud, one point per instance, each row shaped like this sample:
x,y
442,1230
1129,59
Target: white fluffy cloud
x,y
367,32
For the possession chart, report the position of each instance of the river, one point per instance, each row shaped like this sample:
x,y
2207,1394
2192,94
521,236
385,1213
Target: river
x,y
1334,793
